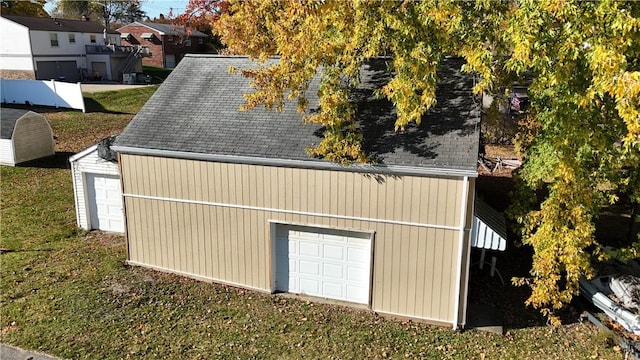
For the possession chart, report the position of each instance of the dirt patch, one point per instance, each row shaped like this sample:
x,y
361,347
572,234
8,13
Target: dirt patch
x,y
106,239
117,288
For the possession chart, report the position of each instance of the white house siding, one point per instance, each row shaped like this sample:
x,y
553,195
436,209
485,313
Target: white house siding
x,y
67,51
104,59
213,221
6,152
42,43
15,54
82,163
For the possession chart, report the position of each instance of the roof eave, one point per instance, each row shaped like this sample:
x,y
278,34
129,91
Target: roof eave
x,y
308,164
145,25
83,153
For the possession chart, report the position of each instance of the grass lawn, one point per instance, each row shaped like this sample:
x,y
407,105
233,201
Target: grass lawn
x,y
69,293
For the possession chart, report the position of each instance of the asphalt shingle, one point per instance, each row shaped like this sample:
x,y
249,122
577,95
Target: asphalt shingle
x,y
8,119
168,29
197,110
56,24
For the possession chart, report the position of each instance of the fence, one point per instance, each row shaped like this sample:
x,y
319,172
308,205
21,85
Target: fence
x,y
42,92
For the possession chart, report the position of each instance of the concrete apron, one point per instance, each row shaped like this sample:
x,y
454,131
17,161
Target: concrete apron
x,y
485,318
8,352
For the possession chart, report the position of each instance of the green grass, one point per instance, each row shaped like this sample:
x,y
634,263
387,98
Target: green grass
x,y
68,293
158,74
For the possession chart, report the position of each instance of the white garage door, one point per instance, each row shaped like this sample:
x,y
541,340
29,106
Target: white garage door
x,y
105,202
322,262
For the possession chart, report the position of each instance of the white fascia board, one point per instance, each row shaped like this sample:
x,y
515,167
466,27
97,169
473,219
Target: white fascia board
x,y
307,164
83,153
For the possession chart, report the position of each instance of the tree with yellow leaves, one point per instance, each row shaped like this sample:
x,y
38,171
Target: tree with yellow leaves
x,y
584,140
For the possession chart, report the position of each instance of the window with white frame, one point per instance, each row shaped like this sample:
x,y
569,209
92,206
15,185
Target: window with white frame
x,y
72,38
53,38
200,41
187,42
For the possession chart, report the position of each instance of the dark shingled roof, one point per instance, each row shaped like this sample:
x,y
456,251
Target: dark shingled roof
x,y
196,110
8,119
167,29
51,24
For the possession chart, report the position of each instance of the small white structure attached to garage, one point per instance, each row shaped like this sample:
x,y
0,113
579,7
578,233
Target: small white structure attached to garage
x,y
97,191
25,135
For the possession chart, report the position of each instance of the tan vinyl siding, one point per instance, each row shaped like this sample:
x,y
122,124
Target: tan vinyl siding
x,y
439,205
225,235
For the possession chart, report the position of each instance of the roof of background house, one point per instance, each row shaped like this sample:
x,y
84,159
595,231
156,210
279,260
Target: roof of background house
x,y
167,29
8,119
196,111
55,24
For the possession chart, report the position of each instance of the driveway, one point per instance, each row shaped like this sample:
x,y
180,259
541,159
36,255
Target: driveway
x,y
8,352
93,88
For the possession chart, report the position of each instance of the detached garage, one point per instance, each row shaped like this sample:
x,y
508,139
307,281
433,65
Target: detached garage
x,y
96,187
231,196
26,136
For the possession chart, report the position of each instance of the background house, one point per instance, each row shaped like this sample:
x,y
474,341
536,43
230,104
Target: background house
x,y
168,43
25,135
63,49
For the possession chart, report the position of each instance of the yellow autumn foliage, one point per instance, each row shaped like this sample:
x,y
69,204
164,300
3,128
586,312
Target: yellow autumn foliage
x,y
582,131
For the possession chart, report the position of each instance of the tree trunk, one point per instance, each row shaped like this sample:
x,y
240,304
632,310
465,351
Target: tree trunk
x,y
634,225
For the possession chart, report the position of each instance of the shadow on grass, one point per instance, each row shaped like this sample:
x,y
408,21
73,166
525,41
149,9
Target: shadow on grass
x,y
41,109
92,106
8,251
58,161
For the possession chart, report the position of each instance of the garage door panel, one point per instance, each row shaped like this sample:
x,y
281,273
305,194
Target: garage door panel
x,y
334,238
309,268
334,290
356,293
357,255
322,262
333,271
357,275
309,249
312,237
309,286
333,252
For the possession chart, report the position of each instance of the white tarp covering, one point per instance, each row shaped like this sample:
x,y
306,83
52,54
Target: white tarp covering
x,y
627,289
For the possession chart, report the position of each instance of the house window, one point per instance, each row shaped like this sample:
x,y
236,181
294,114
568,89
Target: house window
x,y
200,41
72,38
54,39
187,42
92,38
